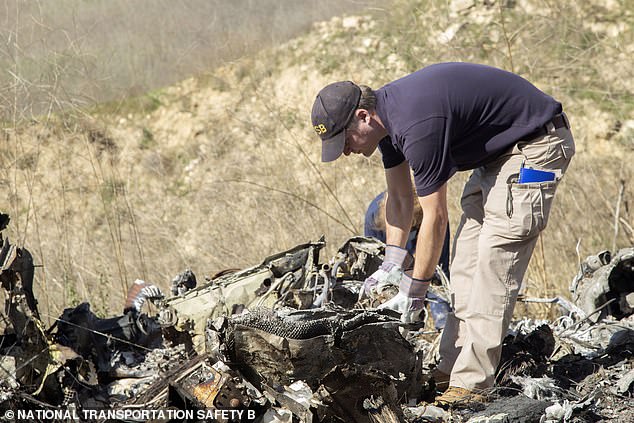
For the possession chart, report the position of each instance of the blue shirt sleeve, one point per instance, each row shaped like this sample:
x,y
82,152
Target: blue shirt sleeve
x,y
390,155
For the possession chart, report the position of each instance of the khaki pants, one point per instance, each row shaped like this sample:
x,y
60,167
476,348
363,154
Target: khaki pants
x,y
494,242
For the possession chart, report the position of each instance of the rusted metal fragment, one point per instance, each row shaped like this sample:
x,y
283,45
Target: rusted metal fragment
x,y
217,387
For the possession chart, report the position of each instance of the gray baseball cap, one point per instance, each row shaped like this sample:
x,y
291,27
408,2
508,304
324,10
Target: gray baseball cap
x,y
332,111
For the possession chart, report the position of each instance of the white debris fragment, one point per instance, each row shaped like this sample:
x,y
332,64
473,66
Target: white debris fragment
x,y
277,415
300,392
562,412
8,372
428,413
123,389
623,385
537,388
553,414
496,418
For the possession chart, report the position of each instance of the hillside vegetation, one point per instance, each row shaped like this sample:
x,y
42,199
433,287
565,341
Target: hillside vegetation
x,y
74,53
222,170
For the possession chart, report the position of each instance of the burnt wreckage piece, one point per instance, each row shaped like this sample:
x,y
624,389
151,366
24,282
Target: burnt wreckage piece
x,y
94,362
23,342
605,285
288,340
293,278
324,348
97,339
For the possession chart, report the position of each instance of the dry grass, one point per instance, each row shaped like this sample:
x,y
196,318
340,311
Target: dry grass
x,y
74,53
222,170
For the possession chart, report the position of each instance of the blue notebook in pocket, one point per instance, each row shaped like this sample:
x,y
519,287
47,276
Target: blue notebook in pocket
x,y
528,176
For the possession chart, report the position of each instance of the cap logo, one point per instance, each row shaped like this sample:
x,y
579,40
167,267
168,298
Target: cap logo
x,y
320,129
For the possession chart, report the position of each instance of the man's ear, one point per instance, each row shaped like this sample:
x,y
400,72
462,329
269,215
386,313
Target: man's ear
x,y
362,114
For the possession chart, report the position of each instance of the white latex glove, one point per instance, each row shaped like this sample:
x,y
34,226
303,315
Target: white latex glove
x,y
389,273
410,300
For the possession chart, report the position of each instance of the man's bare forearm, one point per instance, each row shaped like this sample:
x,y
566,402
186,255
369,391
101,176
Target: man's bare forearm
x,y
431,235
398,216
429,245
399,205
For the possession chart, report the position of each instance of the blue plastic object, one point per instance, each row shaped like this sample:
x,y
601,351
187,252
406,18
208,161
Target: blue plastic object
x,y
528,176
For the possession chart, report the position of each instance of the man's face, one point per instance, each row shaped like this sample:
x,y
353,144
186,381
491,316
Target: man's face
x,y
361,137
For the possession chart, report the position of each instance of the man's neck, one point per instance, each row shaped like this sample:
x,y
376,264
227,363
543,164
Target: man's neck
x,y
380,126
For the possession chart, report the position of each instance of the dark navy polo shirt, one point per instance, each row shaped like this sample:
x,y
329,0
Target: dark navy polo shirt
x,y
457,116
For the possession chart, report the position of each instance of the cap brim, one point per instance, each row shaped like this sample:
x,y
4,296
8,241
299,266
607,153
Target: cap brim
x,y
333,147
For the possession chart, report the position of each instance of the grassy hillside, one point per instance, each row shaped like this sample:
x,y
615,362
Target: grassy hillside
x,y
222,170
64,53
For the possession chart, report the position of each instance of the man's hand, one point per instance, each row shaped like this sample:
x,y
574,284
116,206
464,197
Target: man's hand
x,y
410,300
389,273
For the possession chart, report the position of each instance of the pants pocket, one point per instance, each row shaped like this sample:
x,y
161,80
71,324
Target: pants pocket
x,y
528,207
550,152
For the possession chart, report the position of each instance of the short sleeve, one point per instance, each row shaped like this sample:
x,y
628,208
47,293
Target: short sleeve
x,y
427,150
390,155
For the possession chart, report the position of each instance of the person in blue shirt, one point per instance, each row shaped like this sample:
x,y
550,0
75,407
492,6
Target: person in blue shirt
x,y
374,226
430,124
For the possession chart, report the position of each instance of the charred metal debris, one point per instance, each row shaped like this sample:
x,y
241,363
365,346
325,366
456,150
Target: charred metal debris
x,y
289,341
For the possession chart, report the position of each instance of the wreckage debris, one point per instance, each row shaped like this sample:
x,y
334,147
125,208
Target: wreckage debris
x,y
605,285
287,341
342,355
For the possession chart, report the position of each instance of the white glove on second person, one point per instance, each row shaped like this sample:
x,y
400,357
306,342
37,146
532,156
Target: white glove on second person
x,y
410,300
389,273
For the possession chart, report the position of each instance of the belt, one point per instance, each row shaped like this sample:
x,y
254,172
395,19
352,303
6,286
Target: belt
x,y
559,121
